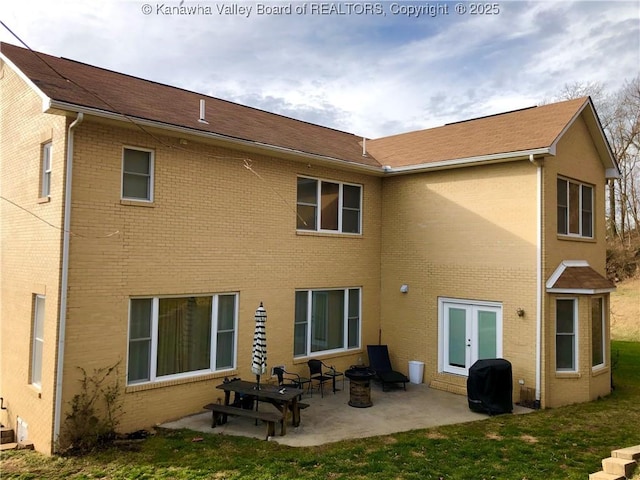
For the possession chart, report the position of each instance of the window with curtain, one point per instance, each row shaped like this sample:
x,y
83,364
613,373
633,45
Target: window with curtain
x,y
566,351
328,206
178,336
575,208
326,320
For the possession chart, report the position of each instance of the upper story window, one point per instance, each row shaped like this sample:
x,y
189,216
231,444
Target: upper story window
x,y
45,180
137,174
575,208
329,206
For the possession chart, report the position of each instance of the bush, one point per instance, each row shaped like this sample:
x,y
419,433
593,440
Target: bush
x,y
94,413
623,259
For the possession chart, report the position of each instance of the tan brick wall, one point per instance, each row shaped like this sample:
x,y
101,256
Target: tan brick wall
x,y
30,236
213,227
576,158
468,233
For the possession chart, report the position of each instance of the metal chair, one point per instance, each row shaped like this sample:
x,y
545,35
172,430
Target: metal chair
x,y
317,375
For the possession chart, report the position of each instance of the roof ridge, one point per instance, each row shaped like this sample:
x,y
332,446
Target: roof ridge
x,y
492,115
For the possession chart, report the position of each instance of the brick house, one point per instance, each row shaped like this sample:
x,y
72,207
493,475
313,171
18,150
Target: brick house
x,y
143,224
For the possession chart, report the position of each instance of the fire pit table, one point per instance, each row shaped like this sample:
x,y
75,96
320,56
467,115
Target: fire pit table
x,y
360,386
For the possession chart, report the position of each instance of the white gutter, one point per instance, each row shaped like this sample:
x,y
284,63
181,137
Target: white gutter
x,y
54,104
469,161
538,165
64,278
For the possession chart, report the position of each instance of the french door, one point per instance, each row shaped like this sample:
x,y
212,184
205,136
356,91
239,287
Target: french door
x,y
469,331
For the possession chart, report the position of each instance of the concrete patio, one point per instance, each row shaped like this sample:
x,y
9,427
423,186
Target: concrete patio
x,y
331,419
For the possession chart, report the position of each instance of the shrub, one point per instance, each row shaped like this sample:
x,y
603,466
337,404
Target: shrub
x,y
94,412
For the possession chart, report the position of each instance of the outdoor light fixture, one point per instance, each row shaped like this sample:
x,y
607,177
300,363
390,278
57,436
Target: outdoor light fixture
x,y
520,312
404,288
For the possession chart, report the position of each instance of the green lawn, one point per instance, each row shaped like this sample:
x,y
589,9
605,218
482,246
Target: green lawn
x,y
563,443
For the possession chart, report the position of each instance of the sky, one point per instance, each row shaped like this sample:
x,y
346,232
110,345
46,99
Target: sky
x,y
369,68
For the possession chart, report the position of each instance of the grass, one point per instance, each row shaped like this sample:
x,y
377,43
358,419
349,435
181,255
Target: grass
x,y
562,443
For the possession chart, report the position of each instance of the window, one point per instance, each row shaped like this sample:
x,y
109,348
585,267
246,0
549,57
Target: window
x,y
37,341
597,332
180,336
566,348
575,208
326,320
137,174
45,181
328,206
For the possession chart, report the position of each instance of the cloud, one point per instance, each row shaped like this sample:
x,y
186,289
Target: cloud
x,y
372,75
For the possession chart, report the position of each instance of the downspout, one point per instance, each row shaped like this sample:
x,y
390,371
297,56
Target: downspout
x,y
538,164
64,278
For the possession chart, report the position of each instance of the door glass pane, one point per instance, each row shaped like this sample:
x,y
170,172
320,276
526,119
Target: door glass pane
x,y
487,335
457,337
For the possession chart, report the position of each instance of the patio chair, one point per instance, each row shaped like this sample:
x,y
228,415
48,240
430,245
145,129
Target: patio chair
x,y
380,363
317,375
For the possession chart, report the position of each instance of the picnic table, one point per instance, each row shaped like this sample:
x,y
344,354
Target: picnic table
x,y
284,399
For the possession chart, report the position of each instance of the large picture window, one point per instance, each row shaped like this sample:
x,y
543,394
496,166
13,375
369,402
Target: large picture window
x,y
575,208
326,320
328,206
180,336
597,332
566,328
137,174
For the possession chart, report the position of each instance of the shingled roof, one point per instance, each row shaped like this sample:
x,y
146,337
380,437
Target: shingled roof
x,y
578,277
75,86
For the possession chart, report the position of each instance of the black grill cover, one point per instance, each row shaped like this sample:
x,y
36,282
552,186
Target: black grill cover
x,y
490,386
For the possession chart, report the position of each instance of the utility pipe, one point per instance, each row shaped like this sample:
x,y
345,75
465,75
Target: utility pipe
x,y
64,277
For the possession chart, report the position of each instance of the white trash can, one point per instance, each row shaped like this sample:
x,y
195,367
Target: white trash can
x,y
416,370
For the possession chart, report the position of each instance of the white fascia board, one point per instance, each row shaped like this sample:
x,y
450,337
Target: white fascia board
x,y
54,104
469,161
27,80
581,291
560,270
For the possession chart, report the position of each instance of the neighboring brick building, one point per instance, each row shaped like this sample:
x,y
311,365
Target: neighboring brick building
x,y
143,224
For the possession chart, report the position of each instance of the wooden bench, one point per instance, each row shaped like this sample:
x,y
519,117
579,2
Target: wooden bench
x,y
270,418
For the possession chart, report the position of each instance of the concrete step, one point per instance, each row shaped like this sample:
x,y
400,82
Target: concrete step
x,y
619,466
604,476
8,446
629,453
7,435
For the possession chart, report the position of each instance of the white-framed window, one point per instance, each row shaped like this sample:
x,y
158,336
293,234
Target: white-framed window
x,y
137,174
566,337
575,208
329,206
37,344
173,337
326,321
45,179
469,330
597,332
